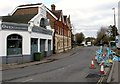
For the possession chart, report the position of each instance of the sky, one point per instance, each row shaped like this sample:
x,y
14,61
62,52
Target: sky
x,y
87,16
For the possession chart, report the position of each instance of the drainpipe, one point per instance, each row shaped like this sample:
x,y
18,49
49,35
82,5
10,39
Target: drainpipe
x,y
63,39
54,39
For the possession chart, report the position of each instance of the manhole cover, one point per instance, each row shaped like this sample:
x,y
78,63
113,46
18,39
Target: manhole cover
x,y
92,75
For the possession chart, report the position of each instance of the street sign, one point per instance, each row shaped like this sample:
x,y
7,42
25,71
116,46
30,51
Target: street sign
x,y
117,41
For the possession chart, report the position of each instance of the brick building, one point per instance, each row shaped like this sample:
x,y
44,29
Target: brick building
x,y
62,27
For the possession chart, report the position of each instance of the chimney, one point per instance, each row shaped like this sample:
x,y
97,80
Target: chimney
x,y
53,7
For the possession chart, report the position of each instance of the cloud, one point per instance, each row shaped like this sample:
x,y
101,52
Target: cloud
x,y
89,15
86,15
7,6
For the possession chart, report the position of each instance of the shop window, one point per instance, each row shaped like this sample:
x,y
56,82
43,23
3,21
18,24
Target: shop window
x,y
14,44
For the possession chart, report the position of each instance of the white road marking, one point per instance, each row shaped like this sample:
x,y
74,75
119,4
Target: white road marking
x,y
27,80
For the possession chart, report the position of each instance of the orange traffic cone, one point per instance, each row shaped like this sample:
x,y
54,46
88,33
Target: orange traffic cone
x,y
92,66
102,68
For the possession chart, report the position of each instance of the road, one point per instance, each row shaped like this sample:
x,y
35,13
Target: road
x,y
71,68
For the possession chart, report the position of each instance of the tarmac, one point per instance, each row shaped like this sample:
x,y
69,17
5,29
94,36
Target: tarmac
x,y
111,72
43,60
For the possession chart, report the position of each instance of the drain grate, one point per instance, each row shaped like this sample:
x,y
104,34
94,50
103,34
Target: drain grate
x,y
93,75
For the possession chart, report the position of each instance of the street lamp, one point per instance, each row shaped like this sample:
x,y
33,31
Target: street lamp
x,y
114,17
114,23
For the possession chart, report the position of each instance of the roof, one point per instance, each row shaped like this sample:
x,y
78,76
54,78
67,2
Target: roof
x,y
65,18
18,18
57,13
69,20
29,4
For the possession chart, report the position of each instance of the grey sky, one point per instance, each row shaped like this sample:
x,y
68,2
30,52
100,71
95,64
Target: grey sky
x,y
87,16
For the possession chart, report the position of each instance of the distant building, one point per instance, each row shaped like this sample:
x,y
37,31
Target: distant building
x,y
25,31
62,26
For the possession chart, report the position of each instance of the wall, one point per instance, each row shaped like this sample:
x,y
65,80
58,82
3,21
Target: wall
x,y
25,57
25,38
41,14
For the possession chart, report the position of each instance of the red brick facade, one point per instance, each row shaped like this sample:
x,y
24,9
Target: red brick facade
x,y
62,36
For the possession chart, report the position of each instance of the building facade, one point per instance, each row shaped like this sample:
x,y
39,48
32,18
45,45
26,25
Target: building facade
x,y
23,32
62,26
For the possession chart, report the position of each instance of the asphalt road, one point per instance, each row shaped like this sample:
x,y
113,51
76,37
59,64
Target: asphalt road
x,y
71,68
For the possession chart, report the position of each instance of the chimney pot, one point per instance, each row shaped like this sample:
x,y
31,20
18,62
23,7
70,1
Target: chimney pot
x,y
53,7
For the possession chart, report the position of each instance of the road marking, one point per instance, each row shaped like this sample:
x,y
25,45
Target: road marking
x,y
27,80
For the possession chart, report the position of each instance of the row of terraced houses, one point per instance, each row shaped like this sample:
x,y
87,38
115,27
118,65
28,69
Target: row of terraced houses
x,y
33,28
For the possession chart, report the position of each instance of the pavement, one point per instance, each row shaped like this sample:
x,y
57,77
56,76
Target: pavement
x,y
115,75
43,60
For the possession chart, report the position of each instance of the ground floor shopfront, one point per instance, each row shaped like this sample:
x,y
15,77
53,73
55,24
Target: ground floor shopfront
x,y
18,46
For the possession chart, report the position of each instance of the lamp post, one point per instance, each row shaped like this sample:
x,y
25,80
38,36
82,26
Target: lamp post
x,y
114,24
114,21
114,17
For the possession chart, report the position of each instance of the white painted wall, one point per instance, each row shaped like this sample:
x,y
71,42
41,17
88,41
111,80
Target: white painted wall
x,y
39,35
1,45
36,20
43,36
41,14
42,11
25,37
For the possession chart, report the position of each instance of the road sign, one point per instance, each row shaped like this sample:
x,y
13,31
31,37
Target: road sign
x,y
117,41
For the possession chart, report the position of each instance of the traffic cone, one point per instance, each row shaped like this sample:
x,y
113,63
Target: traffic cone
x,y
102,68
92,66
104,55
95,58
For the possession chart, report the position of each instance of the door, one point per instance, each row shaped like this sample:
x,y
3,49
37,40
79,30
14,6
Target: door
x,y
34,46
42,47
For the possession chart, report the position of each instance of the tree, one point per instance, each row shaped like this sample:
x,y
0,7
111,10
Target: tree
x,y
113,32
79,37
102,37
